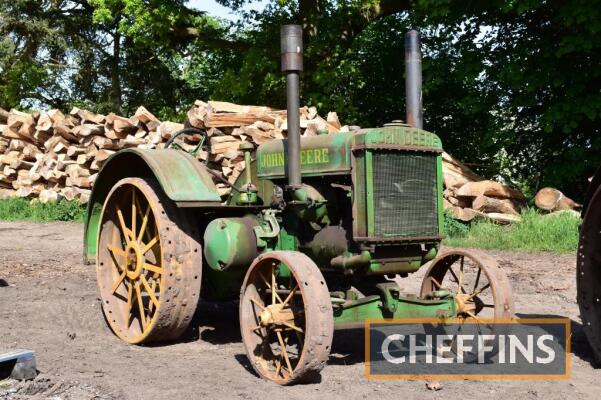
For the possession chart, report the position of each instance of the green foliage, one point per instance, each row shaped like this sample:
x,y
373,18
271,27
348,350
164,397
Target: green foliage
x,y
511,86
17,209
537,232
453,228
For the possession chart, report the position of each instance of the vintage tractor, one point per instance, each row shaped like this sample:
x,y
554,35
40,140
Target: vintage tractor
x,y
314,237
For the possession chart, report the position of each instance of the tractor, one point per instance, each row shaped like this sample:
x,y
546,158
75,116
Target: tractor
x,y
315,236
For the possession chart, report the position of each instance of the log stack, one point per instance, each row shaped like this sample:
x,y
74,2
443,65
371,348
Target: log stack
x,y
50,155
552,200
468,196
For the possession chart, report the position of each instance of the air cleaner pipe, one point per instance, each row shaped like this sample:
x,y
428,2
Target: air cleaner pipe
x,y
413,79
292,64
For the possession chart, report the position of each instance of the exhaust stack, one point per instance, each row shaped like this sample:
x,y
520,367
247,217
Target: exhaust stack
x,y
292,64
413,79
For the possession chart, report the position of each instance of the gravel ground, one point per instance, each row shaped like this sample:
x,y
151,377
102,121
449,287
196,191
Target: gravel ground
x,y
49,303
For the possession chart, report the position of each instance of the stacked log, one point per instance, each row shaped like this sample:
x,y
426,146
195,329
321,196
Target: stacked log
x,y
468,196
50,155
552,200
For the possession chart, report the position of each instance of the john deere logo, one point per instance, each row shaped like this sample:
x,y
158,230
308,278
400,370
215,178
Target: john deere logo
x,y
307,157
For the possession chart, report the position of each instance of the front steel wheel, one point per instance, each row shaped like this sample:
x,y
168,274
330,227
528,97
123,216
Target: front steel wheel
x,y
286,318
481,289
482,295
148,263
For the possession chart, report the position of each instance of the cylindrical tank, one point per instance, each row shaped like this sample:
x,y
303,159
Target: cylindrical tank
x,y
230,243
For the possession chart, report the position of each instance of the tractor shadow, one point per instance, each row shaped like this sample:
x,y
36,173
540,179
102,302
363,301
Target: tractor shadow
x,y
579,345
214,322
348,347
218,324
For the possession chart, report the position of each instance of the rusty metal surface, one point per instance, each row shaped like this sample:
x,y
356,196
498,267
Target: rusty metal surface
x,y
179,175
398,239
396,147
149,263
413,79
314,316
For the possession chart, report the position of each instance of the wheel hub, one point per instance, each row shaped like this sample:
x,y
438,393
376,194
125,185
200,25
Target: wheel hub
x,y
465,303
276,314
134,260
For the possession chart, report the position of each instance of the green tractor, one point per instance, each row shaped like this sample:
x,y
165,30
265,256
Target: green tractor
x,y
315,237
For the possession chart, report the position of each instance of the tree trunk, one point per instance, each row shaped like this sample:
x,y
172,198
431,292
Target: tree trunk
x,y
115,91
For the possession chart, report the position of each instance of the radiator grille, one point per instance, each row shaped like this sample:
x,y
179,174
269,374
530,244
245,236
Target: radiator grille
x,y
405,194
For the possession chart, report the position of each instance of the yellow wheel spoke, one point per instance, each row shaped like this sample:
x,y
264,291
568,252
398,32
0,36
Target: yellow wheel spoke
x,y
269,286
119,266
278,367
149,245
124,228
116,250
119,281
292,326
289,296
153,268
141,307
284,351
130,292
144,224
153,287
261,306
133,213
273,286
471,314
436,282
149,291
479,291
460,289
457,281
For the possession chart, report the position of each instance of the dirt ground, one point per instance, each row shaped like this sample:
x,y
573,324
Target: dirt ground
x,y
49,303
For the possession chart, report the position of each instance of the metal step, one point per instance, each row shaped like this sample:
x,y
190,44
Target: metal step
x,y
17,364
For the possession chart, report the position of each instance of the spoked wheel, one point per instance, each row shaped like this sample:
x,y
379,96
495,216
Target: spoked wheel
x,y
481,290
480,287
148,264
286,317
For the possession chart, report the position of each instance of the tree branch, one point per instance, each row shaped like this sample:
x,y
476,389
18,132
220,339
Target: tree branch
x,y
209,38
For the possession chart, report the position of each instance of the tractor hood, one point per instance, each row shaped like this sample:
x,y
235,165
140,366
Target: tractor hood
x,y
331,154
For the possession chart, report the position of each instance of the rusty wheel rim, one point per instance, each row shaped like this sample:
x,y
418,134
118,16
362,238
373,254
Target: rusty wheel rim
x,y
145,297
480,287
278,326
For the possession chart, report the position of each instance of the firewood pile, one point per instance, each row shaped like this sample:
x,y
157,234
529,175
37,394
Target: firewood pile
x,y
468,196
227,125
51,156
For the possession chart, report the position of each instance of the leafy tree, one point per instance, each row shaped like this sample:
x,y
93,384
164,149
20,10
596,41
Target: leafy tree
x,y
512,87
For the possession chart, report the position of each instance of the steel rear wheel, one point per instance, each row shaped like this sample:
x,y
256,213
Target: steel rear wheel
x,y
286,320
148,264
588,278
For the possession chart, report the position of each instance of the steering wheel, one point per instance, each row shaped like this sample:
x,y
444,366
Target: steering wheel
x,y
189,131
